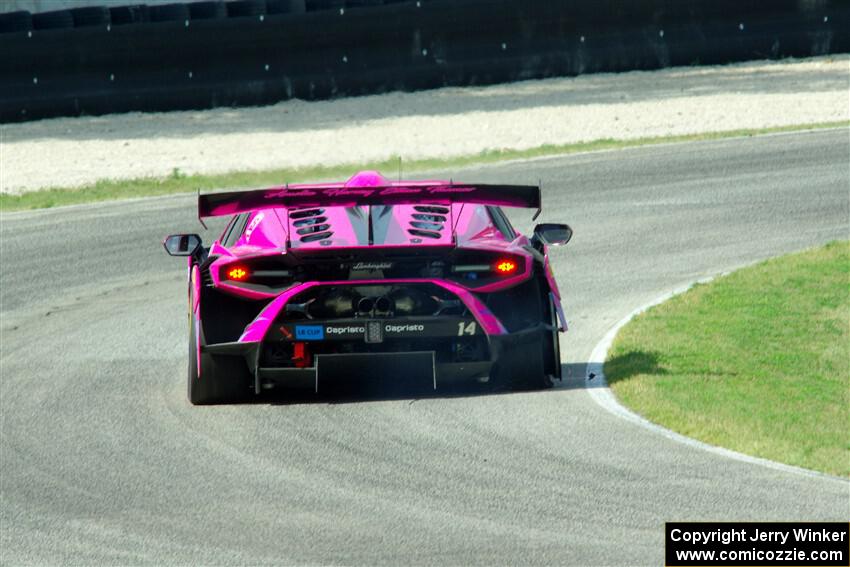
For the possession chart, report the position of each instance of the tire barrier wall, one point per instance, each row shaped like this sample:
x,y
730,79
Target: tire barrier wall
x,y
253,52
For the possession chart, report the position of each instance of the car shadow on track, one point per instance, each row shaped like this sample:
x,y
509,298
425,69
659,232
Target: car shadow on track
x,y
386,390
623,367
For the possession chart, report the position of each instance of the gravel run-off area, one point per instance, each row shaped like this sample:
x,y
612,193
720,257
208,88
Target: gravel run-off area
x,y
439,123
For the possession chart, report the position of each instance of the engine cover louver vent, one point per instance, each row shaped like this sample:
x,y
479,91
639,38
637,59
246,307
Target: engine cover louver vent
x,y
313,229
429,221
316,236
311,224
310,221
423,233
432,209
304,213
427,225
430,218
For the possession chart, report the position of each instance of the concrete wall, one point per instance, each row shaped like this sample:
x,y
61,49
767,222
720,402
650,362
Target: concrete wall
x,y
238,61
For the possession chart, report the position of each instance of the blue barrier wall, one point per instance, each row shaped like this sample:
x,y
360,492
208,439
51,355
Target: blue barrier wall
x,y
330,48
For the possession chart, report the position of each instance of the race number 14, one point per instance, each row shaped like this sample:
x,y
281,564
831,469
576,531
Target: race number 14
x,y
465,328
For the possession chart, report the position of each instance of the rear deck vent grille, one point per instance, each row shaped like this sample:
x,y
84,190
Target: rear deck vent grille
x,y
427,225
428,222
313,229
310,221
313,226
423,233
432,209
304,213
316,236
430,218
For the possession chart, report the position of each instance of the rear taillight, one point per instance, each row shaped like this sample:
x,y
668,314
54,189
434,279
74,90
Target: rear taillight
x,y
505,267
237,273
481,269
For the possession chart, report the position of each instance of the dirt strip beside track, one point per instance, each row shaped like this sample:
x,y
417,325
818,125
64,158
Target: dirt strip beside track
x,y
430,124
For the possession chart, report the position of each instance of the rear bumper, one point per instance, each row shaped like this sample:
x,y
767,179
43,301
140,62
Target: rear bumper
x,y
456,339
316,378
415,367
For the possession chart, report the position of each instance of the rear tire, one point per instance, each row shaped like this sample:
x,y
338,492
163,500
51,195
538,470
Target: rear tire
x,y
220,380
529,371
535,362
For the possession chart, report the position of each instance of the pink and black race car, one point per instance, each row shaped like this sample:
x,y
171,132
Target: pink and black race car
x,y
410,281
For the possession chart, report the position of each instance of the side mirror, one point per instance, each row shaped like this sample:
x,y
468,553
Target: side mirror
x,y
182,244
553,234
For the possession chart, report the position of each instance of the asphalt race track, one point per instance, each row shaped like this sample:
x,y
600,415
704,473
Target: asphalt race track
x,y
104,461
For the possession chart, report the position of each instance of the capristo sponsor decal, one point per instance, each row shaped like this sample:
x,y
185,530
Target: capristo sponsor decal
x,y
409,328
344,330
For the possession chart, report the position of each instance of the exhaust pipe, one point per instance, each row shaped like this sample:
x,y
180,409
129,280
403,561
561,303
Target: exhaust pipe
x,y
383,305
375,305
365,306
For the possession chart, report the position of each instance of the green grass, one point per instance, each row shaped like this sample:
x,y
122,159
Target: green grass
x,y
757,361
178,182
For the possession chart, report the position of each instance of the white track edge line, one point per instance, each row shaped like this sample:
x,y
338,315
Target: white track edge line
x,y
597,388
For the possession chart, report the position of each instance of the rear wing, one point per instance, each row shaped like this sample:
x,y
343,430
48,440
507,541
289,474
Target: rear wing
x,y
234,202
